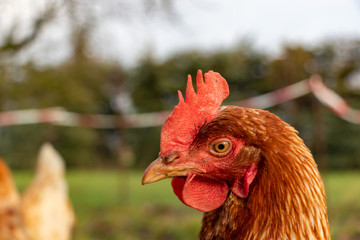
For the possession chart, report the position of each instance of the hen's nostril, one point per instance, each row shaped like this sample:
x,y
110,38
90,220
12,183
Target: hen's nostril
x,y
170,158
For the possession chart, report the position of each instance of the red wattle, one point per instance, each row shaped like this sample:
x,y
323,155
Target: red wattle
x,y
177,184
201,193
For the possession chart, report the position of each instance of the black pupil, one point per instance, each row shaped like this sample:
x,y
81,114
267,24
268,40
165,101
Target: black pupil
x,y
221,146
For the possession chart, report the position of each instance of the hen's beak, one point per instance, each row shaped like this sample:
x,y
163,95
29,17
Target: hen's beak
x,y
159,170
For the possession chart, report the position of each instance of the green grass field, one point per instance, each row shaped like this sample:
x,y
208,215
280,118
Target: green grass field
x,y
112,205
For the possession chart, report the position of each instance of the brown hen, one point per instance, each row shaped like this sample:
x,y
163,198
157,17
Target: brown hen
x,y
245,168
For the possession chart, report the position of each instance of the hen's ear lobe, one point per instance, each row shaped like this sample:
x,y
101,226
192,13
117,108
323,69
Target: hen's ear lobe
x,y
241,186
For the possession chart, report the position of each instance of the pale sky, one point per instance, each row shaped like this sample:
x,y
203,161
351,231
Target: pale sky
x,y
207,25
212,24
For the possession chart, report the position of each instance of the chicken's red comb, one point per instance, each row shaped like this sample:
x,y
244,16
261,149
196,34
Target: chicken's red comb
x,y
182,125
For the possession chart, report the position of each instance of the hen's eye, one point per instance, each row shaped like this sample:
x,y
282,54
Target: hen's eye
x,y
220,147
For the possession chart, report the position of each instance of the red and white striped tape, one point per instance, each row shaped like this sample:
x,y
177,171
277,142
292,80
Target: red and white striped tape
x,y
333,101
59,116
276,97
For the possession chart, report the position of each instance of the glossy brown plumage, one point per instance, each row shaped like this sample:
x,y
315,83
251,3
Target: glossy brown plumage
x,y
287,198
266,186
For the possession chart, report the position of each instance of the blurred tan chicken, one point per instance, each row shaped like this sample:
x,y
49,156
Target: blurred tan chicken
x,y
11,226
46,210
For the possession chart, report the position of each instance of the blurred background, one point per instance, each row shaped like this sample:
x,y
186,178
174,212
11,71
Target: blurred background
x,y
121,57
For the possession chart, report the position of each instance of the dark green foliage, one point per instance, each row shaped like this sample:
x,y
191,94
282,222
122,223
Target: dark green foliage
x,y
78,86
86,85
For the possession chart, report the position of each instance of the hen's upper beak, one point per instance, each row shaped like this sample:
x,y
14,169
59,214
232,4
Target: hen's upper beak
x,y
162,168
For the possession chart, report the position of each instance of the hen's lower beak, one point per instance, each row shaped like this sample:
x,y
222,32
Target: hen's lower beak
x,y
159,170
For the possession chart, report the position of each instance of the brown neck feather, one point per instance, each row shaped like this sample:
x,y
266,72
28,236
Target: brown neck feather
x,y
286,200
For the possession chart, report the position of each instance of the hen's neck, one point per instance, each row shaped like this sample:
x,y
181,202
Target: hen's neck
x,y
287,201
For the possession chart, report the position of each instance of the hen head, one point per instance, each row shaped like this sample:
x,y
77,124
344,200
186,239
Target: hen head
x,y
202,148
245,168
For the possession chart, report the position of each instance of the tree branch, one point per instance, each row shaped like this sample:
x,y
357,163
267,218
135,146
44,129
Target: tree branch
x,y
14,46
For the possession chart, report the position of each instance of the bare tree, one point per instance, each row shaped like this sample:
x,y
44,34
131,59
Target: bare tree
x,y
11,44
